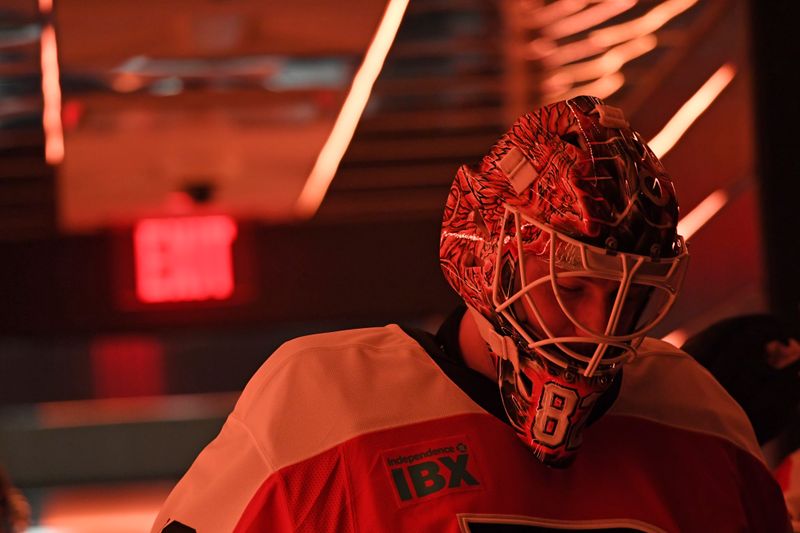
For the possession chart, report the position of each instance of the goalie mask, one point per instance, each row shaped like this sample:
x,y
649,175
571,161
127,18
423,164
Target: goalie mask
x,y
563,244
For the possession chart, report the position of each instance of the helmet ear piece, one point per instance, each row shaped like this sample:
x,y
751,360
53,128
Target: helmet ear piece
x,y
576,140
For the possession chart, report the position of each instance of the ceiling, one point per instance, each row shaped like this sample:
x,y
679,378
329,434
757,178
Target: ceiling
x,y
203,106
227,102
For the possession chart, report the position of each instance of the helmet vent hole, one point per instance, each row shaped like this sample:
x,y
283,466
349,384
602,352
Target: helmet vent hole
x,y
480,225
574,139
469,260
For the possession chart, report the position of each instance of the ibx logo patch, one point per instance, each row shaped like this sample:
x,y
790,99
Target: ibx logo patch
x,y
432,468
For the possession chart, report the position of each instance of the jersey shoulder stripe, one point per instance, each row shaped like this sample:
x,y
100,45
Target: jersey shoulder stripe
x,y
318,391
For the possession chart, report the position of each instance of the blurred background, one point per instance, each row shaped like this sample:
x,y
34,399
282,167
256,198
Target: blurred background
x,y
184,185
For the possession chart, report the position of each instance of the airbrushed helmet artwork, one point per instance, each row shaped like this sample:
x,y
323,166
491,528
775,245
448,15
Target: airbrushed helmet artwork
x,y
568,204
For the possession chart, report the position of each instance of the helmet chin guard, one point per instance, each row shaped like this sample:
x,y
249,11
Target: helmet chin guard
x,y
547,405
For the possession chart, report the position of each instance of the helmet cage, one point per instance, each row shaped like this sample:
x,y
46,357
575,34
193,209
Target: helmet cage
x,y
664,274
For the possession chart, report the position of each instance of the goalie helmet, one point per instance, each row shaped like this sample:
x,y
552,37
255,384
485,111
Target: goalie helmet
x,y
569,200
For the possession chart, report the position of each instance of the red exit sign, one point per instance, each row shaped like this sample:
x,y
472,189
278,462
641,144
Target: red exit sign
x,y
184,259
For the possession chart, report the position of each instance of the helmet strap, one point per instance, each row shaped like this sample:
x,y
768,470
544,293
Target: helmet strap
x,y
502,346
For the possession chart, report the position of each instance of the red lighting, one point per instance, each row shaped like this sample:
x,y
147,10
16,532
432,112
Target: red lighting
x,y
184,259
127,366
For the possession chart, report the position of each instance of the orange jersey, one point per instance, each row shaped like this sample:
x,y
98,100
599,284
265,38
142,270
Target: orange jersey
x,y
366,430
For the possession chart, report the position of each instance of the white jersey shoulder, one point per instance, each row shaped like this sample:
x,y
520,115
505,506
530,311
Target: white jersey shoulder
x,y
317,391
666,385
313,393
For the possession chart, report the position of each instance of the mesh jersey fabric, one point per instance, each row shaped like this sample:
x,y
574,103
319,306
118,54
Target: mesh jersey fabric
x,y
365,430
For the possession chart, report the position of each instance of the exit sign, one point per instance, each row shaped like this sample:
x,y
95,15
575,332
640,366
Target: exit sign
x,y
184,259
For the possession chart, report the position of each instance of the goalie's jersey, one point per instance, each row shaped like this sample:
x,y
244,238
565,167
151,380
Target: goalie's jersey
x,y
367,431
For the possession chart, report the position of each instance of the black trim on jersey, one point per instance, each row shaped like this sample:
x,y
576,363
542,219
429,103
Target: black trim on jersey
x,y
488,527
445,351
178,527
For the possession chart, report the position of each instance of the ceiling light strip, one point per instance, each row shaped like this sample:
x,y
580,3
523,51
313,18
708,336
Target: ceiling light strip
x,y
672,132
601,88
612,61
702,213
676,338
553,12
600,40
647,23
332,152
588,18
51,90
